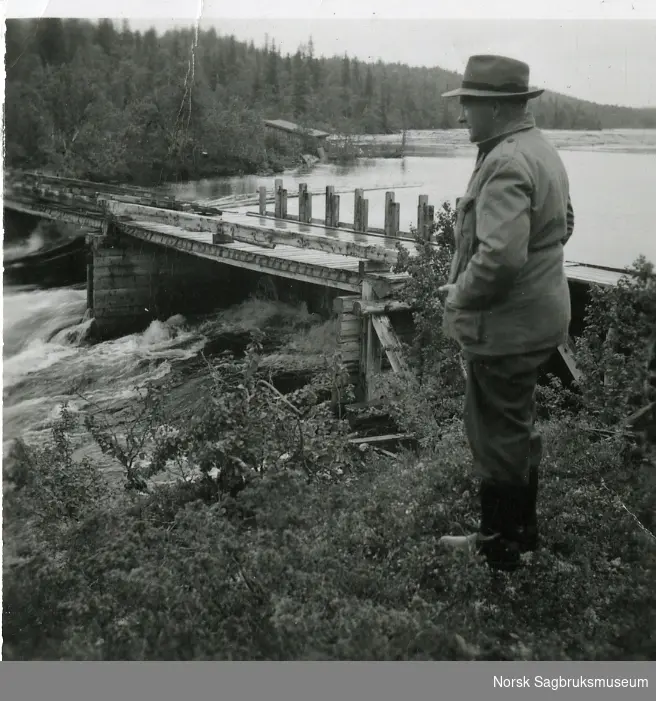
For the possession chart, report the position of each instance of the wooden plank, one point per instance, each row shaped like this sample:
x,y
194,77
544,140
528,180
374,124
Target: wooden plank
x,y
84,184
383,307
566,351
252,259
370,353
278,200
263,200
259,234
330,192
593,275
343,304
182,220
365,218
357,209
335,210
389,213
429,221
390,438
421,215
390,342
50,212
642,417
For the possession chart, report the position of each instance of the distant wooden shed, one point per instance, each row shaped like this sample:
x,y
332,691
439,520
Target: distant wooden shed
x,y
289,133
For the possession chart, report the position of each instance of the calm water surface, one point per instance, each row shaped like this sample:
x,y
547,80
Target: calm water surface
x,y
612,178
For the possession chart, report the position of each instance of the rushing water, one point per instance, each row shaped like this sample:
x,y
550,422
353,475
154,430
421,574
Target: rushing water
x,y
46,360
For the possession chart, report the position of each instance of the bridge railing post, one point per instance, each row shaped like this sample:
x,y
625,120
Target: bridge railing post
x,y
425,218
392,215
332,207
304,204
361,212
278,194
263,200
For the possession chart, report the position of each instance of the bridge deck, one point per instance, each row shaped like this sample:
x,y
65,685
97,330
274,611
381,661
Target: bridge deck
x,y
250,219
308,265
306,251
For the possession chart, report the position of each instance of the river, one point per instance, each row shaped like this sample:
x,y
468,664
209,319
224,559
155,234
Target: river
x,y
47,362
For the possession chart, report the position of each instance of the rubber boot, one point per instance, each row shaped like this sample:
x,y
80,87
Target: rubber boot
x,y
530,536
502,514
500,535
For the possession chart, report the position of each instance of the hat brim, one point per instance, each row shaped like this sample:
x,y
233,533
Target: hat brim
x,y
469,92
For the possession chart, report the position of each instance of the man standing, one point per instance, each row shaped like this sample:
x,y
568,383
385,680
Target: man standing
x,y
507,303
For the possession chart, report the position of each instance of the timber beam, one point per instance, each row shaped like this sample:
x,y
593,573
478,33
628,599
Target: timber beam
x,y
54,213
365,308
249,260
183,220
258,234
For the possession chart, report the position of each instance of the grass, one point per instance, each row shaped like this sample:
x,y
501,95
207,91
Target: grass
x,y
345,567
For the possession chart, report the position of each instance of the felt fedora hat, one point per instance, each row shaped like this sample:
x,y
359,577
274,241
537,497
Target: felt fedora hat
x,y
495,76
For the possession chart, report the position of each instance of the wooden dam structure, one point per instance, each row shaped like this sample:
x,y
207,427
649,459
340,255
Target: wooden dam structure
x,y
150,255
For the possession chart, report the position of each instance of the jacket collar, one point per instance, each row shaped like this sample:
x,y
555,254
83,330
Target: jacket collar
x,y
526,122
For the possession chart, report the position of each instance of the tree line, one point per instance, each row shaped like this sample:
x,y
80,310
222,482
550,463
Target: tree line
x,y
108,103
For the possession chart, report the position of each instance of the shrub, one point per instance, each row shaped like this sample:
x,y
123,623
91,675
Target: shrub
x,y
612,352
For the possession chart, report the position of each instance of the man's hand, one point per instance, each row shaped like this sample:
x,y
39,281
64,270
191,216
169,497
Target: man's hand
x,y
446,288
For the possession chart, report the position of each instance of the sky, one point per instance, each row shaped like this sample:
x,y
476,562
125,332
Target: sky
x,y
598,50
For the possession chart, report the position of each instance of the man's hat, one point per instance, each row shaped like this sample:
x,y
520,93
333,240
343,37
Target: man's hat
x,y
495,76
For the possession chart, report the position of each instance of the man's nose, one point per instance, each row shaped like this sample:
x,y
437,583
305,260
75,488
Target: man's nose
x,y
461,117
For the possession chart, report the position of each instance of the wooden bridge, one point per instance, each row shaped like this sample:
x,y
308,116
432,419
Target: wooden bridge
x,y
150,253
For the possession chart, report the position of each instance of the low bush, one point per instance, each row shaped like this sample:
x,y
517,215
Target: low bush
x,y
255,530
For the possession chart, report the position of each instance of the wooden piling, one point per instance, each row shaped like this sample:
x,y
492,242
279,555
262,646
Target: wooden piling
x,y
331,218
360,212
430,220
283,204
278,191
392,215
335,211
330,193
304,204
263,198
425,218
365,216
421,216
370,358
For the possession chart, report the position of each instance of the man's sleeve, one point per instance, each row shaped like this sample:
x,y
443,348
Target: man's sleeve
x,y
503,222
570,220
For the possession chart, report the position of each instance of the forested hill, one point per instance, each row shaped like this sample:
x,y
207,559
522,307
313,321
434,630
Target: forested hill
x,y
102,101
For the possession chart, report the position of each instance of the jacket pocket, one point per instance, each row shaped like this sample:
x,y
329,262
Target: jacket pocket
x,y
463,325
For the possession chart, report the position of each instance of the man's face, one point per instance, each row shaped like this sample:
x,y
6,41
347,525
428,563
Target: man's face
x,y
478,117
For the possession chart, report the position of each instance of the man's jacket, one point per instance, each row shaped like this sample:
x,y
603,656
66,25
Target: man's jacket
x,y
511,294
